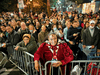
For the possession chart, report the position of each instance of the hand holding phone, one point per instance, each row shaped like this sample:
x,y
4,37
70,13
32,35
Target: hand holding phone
x,y
3,45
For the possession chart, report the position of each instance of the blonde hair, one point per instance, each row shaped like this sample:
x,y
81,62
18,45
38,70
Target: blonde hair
x,y
27,35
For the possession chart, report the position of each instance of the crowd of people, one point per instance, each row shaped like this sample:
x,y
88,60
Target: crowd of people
x,y
75,34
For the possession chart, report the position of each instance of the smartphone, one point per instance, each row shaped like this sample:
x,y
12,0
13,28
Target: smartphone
x,y
2,45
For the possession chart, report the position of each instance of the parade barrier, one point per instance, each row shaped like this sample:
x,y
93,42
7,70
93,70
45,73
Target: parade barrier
x,y
3,59
25,62
79,67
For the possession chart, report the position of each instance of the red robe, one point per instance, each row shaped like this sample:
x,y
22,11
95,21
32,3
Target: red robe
x,y
64,54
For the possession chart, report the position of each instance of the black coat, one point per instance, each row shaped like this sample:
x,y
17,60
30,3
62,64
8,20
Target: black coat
x,y
12,40
88,39
48,28
31,47
22,32
70,33
35,35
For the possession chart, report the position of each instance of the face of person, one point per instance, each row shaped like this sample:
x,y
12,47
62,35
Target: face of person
x,y
92,25
9,29
26,40
98,25
59,27
23,26
31,27
77,24
42,20
13,23
68,24
37,24
3,28
47,22
74,24
43,28
36,20
54,26
87,25
54,21
53,39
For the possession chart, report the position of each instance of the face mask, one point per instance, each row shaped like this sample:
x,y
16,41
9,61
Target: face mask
x,y
31,31
91,27
54,29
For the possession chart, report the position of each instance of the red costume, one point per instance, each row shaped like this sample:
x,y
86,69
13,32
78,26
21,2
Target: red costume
x,y
64,54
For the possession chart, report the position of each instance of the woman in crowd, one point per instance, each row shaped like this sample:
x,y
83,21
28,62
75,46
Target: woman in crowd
x,y
27,44
85,26
54,29
31,28
84,20
53,50
33,32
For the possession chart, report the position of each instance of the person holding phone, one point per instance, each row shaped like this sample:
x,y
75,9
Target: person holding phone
x,y
90,38
12,39
73,35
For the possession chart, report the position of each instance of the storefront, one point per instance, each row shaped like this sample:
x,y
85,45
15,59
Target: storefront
x,y
93,6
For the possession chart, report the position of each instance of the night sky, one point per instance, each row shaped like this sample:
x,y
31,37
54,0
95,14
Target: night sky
x,y
83,1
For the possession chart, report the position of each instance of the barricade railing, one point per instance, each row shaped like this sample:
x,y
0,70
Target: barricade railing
x,y
25,62
78,67
3,59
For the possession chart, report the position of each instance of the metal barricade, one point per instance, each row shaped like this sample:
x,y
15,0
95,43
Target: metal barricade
x,y
25,62
3,59
79,67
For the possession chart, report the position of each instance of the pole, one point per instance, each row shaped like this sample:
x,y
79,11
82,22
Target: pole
x,y
48,7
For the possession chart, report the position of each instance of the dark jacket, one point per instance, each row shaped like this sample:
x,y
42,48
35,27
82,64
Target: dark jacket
x,y
22,32
16,28
2,39
12,39
48,28
42,36
31,47
88,39
70,33
35,35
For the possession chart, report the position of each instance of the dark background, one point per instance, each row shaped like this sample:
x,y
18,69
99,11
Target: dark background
x,y
11,5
